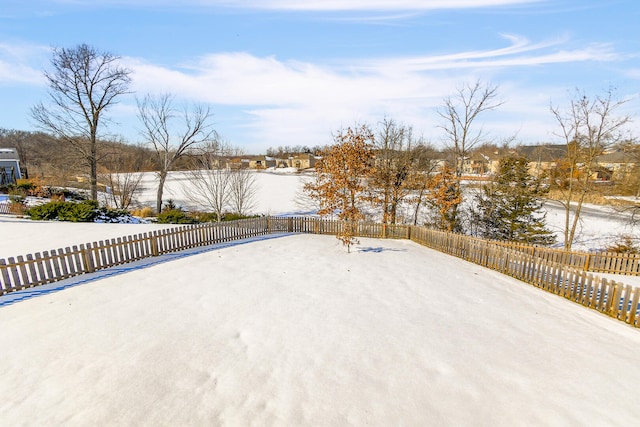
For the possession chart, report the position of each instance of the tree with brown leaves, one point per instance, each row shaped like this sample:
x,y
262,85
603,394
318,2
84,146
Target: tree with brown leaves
x,y
444,197
340,185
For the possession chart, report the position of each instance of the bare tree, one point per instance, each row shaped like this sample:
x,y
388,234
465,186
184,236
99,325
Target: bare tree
x,y
83,84
170,142
210,183
121,172
390,184
242,190
588,127
425,163
121,187
460,113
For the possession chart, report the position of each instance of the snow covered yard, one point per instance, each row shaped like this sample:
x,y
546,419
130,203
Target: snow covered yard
x,y
20,236
293,331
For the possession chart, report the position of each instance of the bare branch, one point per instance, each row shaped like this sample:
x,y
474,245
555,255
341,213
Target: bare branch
x,y
83,84
170,141
588,127
460,113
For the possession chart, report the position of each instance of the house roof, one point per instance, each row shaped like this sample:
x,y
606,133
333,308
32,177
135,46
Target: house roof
x,y
9,154
616,157
544,152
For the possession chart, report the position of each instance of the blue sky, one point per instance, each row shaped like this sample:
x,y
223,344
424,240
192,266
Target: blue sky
x,y
291,72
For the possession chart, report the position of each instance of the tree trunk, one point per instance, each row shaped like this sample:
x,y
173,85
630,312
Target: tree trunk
x,y
162,177
93,164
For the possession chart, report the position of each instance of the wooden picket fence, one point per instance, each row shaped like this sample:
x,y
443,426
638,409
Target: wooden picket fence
x,y
538,267
563,273
22,272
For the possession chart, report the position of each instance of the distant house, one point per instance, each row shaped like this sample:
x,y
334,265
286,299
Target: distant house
x,y
302,161
614,166
9,166
237,163
261,162
481,163
543,158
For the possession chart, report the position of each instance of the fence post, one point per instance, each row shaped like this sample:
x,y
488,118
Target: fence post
x,y
587,259
5,283
86,256
154,243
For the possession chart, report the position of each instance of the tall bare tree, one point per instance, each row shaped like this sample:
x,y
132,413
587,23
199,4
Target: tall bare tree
x,y
390,185
171,141
588,126
83,84
460,114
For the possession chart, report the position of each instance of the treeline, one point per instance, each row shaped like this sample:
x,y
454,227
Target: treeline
x,y
285,151
56,162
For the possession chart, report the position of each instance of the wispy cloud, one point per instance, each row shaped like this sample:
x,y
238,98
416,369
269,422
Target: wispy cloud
x,y
241,78
19,63
317,5
343,5
521,52
286,99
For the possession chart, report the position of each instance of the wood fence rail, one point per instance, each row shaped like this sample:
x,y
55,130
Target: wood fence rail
x,y
560,272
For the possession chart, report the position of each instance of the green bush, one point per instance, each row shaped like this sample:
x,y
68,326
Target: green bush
x,y
46,212
235,216
112,215
212,217
84,211
175,216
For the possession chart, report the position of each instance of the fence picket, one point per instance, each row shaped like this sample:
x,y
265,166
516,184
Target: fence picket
x,y
624,309
24,276
5,281
633,313
15,276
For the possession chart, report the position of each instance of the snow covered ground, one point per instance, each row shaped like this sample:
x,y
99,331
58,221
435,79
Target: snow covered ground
x,y
294,331
22,236
278,192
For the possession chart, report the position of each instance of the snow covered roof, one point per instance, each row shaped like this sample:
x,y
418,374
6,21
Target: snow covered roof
x,y
9,154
